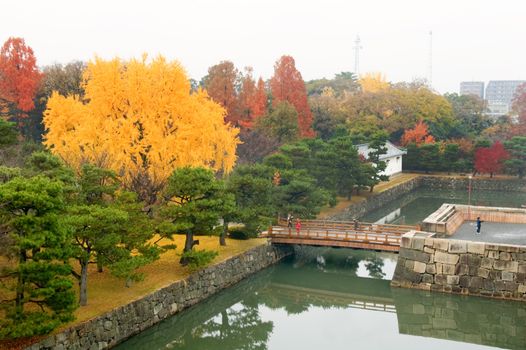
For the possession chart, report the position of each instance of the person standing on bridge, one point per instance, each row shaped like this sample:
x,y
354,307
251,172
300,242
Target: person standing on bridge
x,y
289,221
298,226
356,225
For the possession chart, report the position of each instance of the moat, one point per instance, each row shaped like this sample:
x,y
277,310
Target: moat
x,y
342,297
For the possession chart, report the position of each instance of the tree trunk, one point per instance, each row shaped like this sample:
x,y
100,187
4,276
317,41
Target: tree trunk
x,y
222,237
188,245
100,267
19,302
83,283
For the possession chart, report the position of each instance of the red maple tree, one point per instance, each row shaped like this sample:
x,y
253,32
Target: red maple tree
x,y
19,75
418,135
221,85
490,160
288,85
252,99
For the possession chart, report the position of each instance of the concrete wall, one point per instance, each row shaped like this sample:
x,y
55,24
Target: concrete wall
x,y
464,267
121,323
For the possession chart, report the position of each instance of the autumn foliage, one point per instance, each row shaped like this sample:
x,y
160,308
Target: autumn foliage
x,y
288,85
490,160
221,87
139,119
19,75
373,82
252,99
418,135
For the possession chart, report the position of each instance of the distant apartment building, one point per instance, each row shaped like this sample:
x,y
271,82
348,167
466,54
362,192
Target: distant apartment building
x,y
500,94
472,88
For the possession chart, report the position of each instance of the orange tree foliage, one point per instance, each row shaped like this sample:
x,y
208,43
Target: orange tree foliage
x,y
140,119
19,75
418,135
288,85
252,99
221,85
490,160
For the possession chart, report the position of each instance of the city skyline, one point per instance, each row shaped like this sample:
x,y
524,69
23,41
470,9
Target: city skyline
x,y
199,34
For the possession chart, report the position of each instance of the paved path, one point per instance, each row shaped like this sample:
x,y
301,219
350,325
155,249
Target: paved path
x,y
492,232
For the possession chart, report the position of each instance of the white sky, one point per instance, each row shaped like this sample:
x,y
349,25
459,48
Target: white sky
x,y
472,39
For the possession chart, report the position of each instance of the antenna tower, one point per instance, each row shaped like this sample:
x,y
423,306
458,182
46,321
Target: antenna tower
x,y
430,68
357,47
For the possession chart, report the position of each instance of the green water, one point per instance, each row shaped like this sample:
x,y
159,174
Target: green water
x,y
337,299
413,207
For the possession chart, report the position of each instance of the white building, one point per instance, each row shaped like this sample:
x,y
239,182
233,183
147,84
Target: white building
x,y
393,157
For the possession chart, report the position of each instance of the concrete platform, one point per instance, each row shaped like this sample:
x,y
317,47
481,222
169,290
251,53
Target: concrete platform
x,y
492,232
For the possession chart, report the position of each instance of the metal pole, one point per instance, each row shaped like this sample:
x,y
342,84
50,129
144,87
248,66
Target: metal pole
x,y
469,198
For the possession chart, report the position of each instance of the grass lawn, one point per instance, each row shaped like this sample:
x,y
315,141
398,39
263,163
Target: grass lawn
x,y
106,292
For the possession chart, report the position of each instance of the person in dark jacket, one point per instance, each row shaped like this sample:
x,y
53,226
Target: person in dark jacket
x,y
479,224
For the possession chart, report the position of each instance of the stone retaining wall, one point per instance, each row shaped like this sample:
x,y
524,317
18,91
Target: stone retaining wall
x,y
477,320
462,183
121,323
464,267
376,201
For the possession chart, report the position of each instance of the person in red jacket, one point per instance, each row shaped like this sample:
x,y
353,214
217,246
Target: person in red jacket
x,y
298,226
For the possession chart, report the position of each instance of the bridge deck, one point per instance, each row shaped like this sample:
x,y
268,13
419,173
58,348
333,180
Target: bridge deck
x,y
341,234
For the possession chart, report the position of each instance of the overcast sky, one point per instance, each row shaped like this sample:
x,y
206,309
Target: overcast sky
x,y
472,39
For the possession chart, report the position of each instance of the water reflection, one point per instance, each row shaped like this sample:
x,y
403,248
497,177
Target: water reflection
x,y
334,298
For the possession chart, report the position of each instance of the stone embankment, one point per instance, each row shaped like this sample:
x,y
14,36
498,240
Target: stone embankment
x,y
463,267
121,323
378,200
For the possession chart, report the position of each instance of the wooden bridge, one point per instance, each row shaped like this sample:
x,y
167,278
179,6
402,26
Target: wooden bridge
x,y
347,234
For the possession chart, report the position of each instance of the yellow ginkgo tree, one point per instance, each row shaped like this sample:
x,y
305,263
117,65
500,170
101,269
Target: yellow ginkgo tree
x,y
140,119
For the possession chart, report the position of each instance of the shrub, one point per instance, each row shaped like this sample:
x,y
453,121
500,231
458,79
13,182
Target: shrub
x,y
197,259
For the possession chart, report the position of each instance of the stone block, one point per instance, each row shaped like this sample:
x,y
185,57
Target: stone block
x,y
492,246
441,280
492,254
520,277
414,255
504,256
476,283
429,242
417,243
446,258
458,247
406,242
503,265
476,248
439,268
508,276
522,268
427,278
489,285
462,269
482,272
419,267
409,264
522,288
431,268
486,263
509,248
429,250
464,281
448,269
506,286
441,244
452,279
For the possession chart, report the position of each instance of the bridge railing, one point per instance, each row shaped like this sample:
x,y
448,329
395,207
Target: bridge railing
x,y
352,226
313,233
